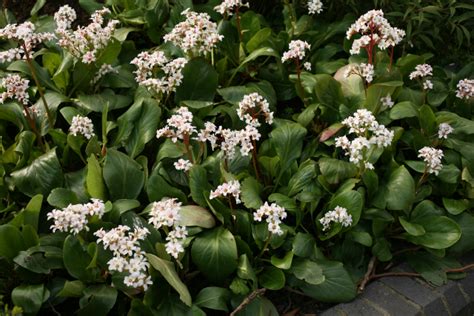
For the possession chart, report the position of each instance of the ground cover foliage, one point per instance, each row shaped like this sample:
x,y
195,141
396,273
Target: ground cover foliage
x,y
180,158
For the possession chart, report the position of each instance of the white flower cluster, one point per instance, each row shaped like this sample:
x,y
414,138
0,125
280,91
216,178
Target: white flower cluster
x,y
374,30
365,71
75,217
422,71
127,254
196,34
156,63
227,189
338,215
444,130
25,35
183,164
227,6
253,105
362,122
432,158
103,70
465,89
85,43
16,88
296,50
178,125
387,101
315,6
82,125
274,213
166,213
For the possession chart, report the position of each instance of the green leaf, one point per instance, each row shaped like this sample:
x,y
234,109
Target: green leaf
x,y
308,271
94,180
97,102
168,271
138,125
97,300
466,242
259,307
199,83
351,200
76,260
287,140
427,120
123,175
215,254
213,298
32,211
441,232
250,193
263,51
61,197
72,289
337,287
412,228
41,176
402,190
199,185
38,5
193,215
30,297
272,278
304,245
335,170
11,241
455,207
157,188
305,174
403,110
329,92
377,91
283,263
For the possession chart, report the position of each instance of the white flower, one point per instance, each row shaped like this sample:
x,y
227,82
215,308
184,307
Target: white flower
x,y
364,125
208,134
196,34
183,164
387,101
157,73
86,42
75,217
374,30
175,240
296,50
427,84
421,71
127,254
307,66
165,213
444,130
103,70
25,35
228,6
251,107
315,6
16,88
227,189
274,214
338,215
178,126
365,71
432,158
82,125
465,89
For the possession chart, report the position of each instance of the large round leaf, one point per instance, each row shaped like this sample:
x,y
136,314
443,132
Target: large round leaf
x,y
11,241
215,254
440,232
41,176
123,175
200,81
401,190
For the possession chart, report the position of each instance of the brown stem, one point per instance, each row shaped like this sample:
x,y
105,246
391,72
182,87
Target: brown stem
x,y
254,160
368,274
40,88
237,21
391,57
248,300
188,151
32,123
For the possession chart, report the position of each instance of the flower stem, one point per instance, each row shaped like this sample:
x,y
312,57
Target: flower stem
x,y
265,246
38,84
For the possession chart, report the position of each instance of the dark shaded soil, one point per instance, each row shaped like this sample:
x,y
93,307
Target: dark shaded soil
x,y
21,8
